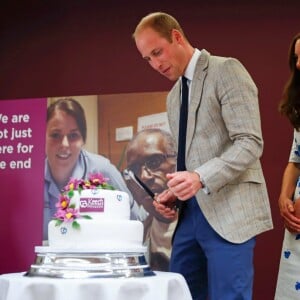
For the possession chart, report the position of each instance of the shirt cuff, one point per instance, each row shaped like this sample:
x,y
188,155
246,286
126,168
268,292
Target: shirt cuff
x,y
205,189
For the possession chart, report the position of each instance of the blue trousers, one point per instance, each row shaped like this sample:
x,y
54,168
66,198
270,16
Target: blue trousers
x,y
214,268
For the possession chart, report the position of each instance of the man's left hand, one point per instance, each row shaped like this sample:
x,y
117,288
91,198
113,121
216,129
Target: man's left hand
x,y
184,184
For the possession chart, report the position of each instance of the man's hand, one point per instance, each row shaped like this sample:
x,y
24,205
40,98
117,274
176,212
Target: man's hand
x,y
165,204
184,184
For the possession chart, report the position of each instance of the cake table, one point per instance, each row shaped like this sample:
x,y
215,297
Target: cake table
x,y
163,286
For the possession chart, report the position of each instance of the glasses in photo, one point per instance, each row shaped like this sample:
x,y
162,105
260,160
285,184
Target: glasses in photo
x,y
151,163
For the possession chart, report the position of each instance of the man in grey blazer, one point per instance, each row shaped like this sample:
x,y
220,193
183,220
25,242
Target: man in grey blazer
x,y
223,188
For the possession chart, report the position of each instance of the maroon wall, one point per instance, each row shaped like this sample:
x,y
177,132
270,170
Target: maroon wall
x,y
80,49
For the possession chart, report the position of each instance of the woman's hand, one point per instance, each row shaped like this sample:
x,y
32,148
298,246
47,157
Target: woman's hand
x,y
290,213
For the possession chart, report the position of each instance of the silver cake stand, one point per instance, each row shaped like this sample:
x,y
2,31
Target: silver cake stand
x,y
75,264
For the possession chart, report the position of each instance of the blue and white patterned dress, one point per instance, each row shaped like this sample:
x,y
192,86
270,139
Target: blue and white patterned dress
x,y
288,282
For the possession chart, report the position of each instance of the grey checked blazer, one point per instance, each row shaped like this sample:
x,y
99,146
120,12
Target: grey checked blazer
x,y
224,144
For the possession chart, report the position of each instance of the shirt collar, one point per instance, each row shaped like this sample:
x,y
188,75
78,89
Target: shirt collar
x,y
189,72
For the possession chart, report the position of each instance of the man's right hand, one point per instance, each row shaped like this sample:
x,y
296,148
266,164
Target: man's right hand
x,y
165,204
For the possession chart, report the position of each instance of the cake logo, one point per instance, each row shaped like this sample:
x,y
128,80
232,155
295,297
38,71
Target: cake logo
x,y
91,204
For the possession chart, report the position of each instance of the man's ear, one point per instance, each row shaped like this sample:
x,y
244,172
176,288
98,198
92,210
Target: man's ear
x,y
177,36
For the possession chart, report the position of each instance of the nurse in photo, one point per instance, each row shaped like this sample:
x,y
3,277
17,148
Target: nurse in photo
x,y
66,135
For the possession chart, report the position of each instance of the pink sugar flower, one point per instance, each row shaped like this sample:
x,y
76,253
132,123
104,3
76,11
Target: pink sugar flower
x,y
73,184
71,214
60,214
86,185
97,179
63,202
67,215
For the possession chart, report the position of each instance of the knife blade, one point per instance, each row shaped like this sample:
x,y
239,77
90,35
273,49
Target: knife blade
x,y
134,177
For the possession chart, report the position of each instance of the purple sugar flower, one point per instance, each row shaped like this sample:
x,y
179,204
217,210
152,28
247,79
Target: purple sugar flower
x,y
73,184
67,215
97,179
63,202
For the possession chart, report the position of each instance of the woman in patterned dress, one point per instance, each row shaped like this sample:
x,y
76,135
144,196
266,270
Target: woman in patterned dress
x,y
288,282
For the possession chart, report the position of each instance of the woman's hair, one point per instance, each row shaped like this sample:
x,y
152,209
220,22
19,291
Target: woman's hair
x,y
160,22
73,109
290,103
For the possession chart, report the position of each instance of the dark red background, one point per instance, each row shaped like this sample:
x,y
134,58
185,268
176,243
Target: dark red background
x,y
85,48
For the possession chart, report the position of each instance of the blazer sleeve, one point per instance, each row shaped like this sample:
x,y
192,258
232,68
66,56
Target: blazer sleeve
x,y
239,152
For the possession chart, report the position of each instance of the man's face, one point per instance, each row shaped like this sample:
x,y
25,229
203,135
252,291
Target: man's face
x,y
165,57
148,158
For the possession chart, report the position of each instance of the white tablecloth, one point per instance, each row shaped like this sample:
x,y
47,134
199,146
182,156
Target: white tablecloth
x,y
163,286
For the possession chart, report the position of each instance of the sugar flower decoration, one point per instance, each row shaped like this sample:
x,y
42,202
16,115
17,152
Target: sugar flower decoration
x,y
66,211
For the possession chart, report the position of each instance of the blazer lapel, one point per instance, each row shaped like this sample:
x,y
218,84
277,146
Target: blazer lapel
x,y
196,95
173,107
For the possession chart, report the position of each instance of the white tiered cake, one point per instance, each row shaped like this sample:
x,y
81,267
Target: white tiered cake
x,y
92,235
108,230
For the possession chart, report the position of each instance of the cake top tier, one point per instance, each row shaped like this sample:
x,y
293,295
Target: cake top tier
x,y
94,197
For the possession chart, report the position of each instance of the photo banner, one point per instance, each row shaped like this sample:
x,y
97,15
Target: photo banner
x,y
22,170
22,160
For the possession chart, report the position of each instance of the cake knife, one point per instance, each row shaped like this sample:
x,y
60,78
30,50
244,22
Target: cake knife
x,y
141,184
134,177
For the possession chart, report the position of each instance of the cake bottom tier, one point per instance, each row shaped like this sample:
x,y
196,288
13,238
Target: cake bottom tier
x,y
96,234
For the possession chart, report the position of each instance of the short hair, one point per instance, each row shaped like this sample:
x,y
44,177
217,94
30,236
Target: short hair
x,y
160,22
72,108
169,140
